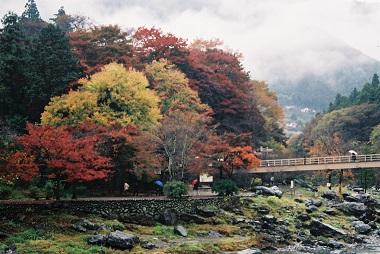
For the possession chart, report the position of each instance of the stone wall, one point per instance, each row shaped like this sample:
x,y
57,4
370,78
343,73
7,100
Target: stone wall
x,y
116,207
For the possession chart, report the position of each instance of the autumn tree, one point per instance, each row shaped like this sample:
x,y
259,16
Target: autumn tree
x,y
114,95
152,44
222,83
172,87
128,148
176,136
100,45
55,153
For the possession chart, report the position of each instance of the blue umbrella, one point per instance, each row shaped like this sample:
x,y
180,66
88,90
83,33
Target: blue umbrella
x,y
159,183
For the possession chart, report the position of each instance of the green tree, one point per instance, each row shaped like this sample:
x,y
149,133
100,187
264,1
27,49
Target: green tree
x,y
53,67
31,11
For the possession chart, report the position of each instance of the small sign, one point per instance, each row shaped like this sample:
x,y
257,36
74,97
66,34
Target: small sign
x,y
291,184
205,178
328,185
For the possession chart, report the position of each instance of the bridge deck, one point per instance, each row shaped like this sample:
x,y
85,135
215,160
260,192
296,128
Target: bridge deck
x,y
319,163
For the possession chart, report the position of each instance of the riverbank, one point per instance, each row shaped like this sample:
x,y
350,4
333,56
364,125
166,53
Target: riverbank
x,y
307,222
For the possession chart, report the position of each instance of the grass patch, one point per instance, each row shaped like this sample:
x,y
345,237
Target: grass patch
x,y
27,235
163,230
224,229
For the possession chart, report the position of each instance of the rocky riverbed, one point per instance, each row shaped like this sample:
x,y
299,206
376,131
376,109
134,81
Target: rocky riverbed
x,y
267,221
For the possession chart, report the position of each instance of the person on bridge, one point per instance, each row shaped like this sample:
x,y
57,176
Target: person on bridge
x,y
353,155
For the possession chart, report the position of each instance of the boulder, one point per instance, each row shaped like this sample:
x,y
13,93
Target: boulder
x,y
304,184
122,241
187,217
79,228
148,245
180,230
330,211
269,219
140,219
349,198
318,228
206,211
361,227
367,199
330,195
334,244
353,208
268,191
311,208
214,234
314,202
84,225
303,217
97,240
169,217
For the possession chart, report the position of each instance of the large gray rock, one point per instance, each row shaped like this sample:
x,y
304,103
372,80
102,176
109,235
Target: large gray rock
x,y
180,230
268,191
97,239
187,217
314,202
330,195
311,208
361,227
330,211
353,208
169,217
367,199
304,184
318,228
206,211
84,225
120,240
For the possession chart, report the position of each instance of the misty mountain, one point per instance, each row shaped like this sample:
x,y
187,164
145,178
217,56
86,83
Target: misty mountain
x,y
317,88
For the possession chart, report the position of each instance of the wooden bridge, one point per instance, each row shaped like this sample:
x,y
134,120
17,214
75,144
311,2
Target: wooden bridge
x,y
318,163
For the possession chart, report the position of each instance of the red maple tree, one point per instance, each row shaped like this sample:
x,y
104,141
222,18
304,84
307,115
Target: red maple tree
x,y
54,152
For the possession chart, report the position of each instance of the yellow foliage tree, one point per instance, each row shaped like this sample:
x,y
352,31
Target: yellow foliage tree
x,y
113,95
173,88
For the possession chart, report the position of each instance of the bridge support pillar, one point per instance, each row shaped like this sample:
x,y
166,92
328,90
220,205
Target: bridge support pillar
x,y
340,181
329,175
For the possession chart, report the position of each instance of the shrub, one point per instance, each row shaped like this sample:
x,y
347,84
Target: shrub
x,y
35,192
49,189
256,182
175,189
225,188
5,191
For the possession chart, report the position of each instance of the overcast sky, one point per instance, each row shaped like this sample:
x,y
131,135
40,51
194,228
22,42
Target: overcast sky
x,y
276,37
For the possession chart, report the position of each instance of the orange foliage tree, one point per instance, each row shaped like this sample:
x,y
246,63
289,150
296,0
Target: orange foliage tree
x,y
54,152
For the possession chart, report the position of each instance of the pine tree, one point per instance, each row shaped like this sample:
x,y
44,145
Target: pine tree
x,y
375,81
31,11
53,67
14,56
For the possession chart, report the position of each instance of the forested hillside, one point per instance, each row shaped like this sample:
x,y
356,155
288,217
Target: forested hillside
x,y
120,104
351,122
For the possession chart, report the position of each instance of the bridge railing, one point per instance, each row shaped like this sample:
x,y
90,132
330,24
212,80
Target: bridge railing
x,y
320,160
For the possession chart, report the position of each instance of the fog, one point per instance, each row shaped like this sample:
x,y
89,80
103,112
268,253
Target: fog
x,y
278,38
